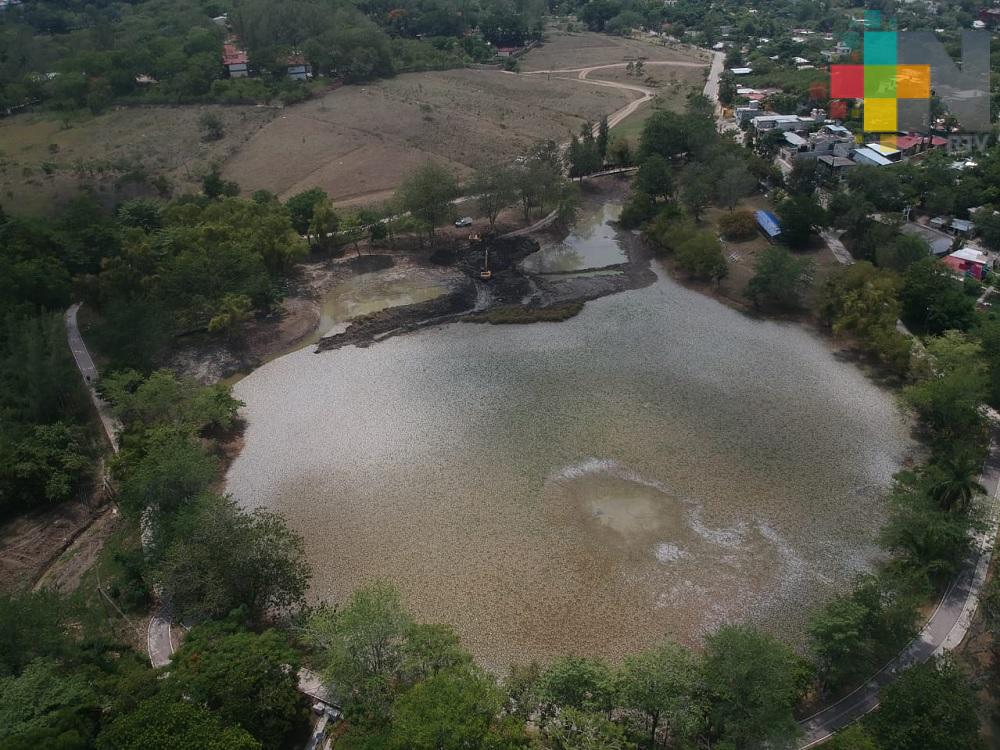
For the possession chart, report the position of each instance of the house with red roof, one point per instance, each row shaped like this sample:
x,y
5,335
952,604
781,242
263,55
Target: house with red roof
x,y
967,261
299,68
913,144
235,60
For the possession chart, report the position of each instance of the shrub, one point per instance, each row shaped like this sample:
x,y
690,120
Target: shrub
x,y
739,226
639,208
515,315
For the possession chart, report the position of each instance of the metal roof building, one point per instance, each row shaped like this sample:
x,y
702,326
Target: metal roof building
x,y
768,224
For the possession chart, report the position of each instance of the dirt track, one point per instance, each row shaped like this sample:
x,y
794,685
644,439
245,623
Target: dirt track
x,y
358,142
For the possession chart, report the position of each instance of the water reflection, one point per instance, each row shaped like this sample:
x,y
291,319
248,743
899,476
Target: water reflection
x,y
592,244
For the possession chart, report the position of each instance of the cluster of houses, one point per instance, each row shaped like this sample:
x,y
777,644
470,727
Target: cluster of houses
x,y
832,145
236,62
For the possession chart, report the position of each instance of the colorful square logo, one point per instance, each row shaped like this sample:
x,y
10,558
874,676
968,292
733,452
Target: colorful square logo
x,y
894,78
880,81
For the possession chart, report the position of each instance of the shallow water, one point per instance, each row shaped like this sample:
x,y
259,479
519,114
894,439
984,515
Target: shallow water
x,y
368,293
655,466
593,243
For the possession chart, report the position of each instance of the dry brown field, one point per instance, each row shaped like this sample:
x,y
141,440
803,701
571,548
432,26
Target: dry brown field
x,y
578,50
45,158
356,142
359,141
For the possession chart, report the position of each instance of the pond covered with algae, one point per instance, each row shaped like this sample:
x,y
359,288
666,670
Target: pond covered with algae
x,y
652,467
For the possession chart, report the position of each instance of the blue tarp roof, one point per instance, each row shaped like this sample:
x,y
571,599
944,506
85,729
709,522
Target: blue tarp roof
x,y
769,223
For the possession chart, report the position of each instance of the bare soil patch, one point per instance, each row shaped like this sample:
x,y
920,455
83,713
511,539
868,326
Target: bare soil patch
x,y
30,544
359,141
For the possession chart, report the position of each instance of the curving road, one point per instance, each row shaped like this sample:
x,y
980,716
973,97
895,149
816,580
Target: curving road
x,y
645,93
159,644
944,631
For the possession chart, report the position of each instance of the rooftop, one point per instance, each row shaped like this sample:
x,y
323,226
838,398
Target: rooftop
x,y
873,156
233,56
970,255
884,150
769,223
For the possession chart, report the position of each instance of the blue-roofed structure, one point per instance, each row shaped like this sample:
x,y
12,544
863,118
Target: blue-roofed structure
x,y
768,224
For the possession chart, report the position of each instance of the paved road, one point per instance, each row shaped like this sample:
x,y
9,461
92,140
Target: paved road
x,y
88,369
711,92
832,240
159,644
944,631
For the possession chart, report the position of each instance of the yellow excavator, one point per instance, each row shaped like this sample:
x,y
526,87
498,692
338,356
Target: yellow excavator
x,y
486,274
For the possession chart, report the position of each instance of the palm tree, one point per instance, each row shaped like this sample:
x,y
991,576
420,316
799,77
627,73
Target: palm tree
x,y
955,482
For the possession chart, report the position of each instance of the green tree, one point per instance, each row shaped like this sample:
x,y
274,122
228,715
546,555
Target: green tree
x,y
988,228
933,302
778,279
302,206
352,231
211,126
800,217
495,189
165,400
430,649
142,213
226,669
427,193
948,405
582,158
863,302
31,626
662,687
231,311
955,481
163,724
220,558
696,191
538,182
575,682
602,139
654,177
928,541
902,252
363,647
452,710
738,226
752,681
171,471
701,257
804,177
840,640
51,462
214,186
854,737
733,182
670,134
323,224
45,698
931,706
